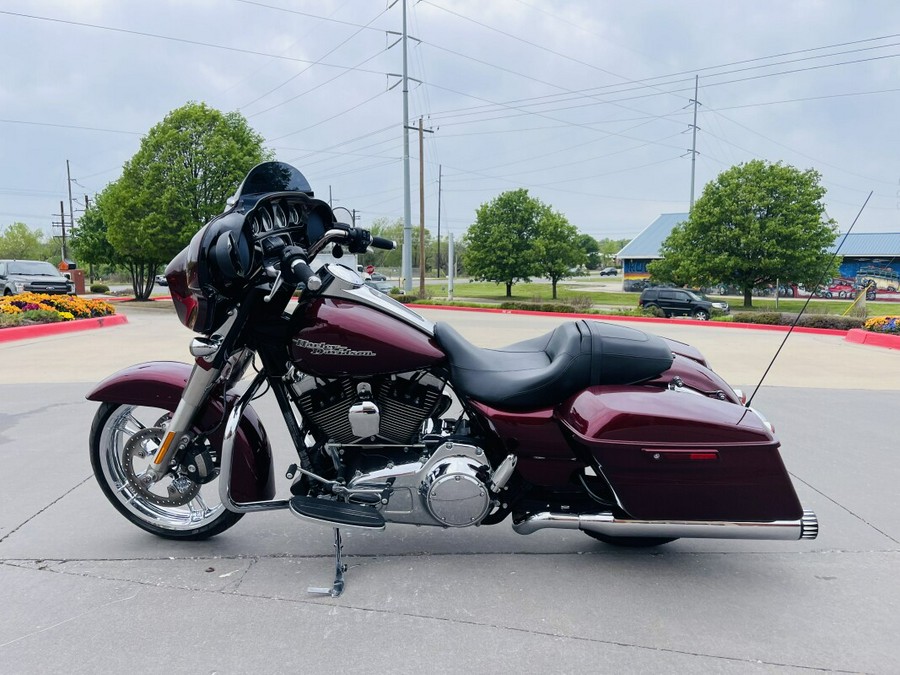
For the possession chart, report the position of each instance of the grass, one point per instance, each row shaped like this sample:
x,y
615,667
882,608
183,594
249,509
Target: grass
x,y
566,290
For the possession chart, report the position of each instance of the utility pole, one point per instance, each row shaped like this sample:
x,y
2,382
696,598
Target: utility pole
x,y
438,271
694,141
422,207
71,211
406,268
62,218
451,268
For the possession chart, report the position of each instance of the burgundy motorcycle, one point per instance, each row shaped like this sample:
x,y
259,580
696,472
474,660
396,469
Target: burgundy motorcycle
x,y
629,437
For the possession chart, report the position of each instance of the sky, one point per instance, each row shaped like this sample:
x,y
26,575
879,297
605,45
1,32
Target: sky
x,y
586,103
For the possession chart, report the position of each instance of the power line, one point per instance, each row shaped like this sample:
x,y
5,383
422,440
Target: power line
x,y
316,62
170,38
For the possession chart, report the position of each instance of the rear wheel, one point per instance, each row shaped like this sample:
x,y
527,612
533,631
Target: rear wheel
x,y
630,542
124,440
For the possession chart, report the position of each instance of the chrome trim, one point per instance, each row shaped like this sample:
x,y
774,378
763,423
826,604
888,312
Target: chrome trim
x,y
608,524
809,525
341,288
365,419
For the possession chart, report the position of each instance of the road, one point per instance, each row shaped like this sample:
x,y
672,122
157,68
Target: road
x,y
85,591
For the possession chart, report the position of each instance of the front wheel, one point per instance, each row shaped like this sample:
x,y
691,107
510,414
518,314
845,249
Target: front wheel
x,y
630,542
701,315
124,439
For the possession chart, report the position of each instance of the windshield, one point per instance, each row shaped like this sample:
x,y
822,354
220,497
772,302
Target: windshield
x,y
273,177
33,268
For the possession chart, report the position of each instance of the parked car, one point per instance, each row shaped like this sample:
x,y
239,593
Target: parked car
x,y
609,272
32,276
161,280
721,305
376,276
383,286
634,285
676,302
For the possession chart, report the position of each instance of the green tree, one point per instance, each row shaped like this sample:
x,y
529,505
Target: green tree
x,y
20,242
591,249
755,224
608,250
185,169
90,242
500,244
393,229
557,247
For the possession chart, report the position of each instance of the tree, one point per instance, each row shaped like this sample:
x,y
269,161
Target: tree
x,y
185,169
557,247
608,250
19,242
755,224
500,244
90,241
591,249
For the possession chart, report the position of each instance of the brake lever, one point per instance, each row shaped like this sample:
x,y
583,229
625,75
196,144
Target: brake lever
x,y
276,285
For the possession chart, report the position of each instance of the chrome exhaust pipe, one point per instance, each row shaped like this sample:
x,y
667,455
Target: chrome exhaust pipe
x,y
806,527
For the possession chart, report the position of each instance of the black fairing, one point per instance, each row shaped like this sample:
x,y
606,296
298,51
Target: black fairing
x,y
540,372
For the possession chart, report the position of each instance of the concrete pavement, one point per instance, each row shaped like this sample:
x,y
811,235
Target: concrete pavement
x,y
83,590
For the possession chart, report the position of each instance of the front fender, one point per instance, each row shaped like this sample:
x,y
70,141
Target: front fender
x,y
158,384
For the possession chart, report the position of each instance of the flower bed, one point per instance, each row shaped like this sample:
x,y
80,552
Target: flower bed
x,y
889,325
26,309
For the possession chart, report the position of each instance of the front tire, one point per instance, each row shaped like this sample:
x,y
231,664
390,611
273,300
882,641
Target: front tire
x,y
701,315
157,509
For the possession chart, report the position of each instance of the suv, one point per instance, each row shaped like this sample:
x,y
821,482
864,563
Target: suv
x,y
676,302
32,276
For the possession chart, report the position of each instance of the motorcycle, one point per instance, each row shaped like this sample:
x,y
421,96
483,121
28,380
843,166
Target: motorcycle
x,y
626,436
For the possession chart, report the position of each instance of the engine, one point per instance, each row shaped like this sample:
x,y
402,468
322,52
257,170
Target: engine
x,y
385,409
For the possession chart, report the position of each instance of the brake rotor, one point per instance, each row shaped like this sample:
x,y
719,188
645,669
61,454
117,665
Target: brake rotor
x,y
142,446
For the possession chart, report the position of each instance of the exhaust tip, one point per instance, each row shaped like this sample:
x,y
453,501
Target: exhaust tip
x,y
809,525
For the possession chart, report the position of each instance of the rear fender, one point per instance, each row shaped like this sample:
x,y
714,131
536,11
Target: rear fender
x,y
159,384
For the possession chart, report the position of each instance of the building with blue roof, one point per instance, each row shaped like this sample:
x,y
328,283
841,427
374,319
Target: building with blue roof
x,y
864,255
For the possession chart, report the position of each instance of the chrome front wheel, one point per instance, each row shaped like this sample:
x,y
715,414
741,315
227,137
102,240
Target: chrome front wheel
x,y
124,441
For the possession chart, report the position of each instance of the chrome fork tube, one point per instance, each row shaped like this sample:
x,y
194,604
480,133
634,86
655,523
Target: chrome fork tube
x,y
195,393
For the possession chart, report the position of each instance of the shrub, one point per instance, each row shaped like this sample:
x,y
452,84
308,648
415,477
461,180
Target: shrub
x,y
99,288
829,321
10,320
41,316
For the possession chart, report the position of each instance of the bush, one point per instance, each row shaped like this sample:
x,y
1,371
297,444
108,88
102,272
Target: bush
x,y
99,288
41,316
828,321
10,320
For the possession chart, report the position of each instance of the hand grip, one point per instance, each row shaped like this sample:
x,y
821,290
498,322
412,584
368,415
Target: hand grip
x,y
304,273
386,244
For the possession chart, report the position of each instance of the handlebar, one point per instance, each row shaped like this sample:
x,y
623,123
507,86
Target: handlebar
x,y
304,273
386,244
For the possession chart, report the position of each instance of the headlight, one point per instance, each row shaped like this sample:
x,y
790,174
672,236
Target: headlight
x,y
20,286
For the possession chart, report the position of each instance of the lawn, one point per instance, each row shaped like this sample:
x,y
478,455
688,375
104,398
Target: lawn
x,y
567,291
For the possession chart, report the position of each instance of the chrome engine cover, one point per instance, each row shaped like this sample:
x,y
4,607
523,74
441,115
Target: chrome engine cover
x,y
448,489
455,495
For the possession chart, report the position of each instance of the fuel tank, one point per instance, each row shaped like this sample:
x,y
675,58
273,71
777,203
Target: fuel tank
x,y
336,337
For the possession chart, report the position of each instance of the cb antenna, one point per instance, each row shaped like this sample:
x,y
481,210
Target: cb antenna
x,y
806,304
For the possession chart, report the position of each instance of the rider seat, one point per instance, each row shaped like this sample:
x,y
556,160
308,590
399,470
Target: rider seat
x,y
545,370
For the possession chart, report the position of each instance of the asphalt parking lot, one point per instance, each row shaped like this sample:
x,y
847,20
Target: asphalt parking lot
x,y
83,591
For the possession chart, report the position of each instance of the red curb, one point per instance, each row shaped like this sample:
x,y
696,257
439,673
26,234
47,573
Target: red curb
x,y
644,319
44,329
865,337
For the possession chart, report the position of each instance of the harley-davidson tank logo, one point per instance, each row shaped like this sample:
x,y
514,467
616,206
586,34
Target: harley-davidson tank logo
x,y
330,350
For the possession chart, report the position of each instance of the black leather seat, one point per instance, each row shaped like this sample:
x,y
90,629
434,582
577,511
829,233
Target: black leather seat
x,y
543,371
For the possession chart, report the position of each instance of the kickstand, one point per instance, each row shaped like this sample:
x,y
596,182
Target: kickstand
x,y
339,570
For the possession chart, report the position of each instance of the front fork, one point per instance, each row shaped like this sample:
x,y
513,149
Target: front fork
x,y
206,352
